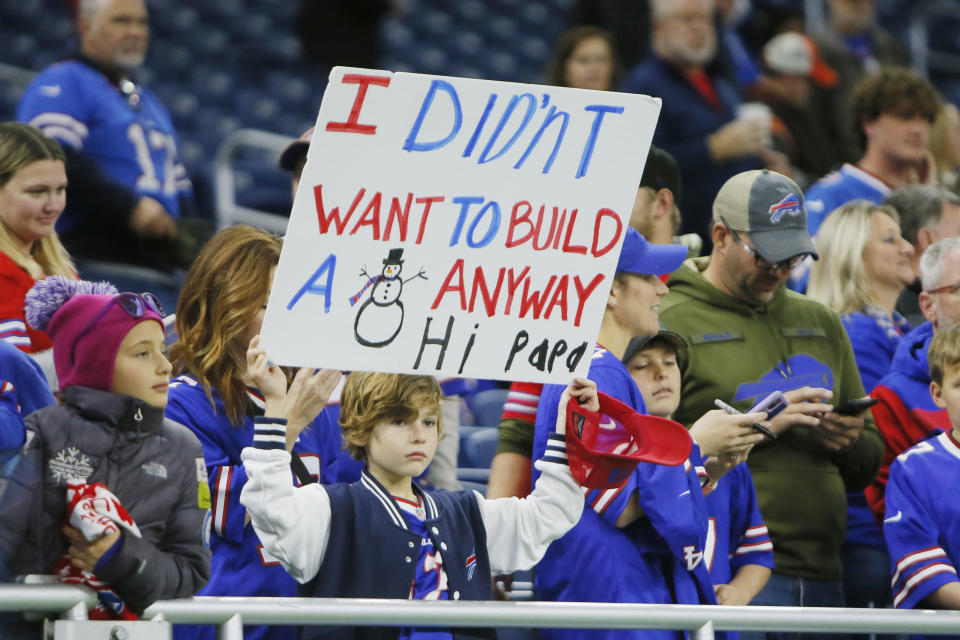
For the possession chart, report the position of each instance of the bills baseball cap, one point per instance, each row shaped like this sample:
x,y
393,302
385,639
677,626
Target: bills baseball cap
x,y
604,447
768,207
295,150
640,343
661,172
640,256
795,54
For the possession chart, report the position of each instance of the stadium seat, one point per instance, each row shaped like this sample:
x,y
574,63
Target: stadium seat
x,y
479,448
487,406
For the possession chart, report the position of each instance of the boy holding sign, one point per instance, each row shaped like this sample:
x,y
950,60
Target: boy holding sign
x,y
384,536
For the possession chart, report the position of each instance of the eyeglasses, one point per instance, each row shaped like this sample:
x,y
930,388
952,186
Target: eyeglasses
x,y
947,288
135,304
761,262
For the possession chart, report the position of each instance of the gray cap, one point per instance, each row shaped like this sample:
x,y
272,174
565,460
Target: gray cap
x,y
768,207
637,345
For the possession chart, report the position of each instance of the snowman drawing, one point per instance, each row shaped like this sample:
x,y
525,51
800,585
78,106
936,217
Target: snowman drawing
x,y
380,317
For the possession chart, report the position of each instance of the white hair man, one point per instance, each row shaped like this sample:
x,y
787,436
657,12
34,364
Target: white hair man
x,y
127,183
906,413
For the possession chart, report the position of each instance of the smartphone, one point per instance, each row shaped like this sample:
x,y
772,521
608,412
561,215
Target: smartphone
x,y
855,407
772,404
720,404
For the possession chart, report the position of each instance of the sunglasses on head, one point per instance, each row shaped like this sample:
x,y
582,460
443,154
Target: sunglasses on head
x,y
135,304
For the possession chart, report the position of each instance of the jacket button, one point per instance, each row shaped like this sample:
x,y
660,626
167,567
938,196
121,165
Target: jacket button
x,y
410,544
435,531
456,595
443,545
408,560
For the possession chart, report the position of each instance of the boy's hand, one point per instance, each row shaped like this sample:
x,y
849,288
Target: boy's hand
x,y
83,554
726,436
308,395
267,377
585,391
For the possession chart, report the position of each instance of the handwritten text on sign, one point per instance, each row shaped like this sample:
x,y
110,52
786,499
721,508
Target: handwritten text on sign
x,y
457,227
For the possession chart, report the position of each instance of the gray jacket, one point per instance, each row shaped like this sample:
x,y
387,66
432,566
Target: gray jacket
x,y
154,466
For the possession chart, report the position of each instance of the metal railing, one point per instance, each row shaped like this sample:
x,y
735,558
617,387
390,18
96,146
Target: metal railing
x,y
230,614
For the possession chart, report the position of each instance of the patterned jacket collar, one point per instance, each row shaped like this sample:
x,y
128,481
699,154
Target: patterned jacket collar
x,y
390,505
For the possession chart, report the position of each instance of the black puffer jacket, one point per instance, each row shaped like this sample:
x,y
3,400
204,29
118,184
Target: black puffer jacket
x,y
154,466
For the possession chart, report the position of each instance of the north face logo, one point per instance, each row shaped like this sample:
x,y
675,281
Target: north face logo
x,y
790,205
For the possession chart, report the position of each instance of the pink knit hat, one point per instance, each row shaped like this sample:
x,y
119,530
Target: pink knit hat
x,y
86,322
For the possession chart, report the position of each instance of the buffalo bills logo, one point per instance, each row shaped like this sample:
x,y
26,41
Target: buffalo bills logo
x,y
790,205
471,564
800,370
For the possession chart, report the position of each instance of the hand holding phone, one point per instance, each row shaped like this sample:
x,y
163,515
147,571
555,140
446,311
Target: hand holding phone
x,y
720,404
855,407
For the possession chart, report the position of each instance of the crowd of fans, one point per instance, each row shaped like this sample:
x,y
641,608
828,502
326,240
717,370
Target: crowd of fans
x,y
796,231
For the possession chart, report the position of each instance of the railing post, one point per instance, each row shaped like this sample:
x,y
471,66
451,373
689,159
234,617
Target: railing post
x,y
705,632
232,629
76,612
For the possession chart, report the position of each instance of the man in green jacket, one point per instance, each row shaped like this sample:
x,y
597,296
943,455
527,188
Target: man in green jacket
x,y
749,336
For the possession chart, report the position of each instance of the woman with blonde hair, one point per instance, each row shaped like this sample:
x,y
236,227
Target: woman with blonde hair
x,y
864,265
33,194
219,314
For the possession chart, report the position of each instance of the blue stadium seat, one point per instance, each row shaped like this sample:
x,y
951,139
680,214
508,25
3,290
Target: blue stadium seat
x,y
487,406
479,448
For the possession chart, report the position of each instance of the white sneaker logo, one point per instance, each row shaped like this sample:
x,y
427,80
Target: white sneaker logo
x,y
895,518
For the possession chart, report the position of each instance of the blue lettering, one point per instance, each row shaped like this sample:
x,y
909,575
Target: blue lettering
x,y
483,120
601,110
552,115
464,202
491,230
411,143
310,286
531,108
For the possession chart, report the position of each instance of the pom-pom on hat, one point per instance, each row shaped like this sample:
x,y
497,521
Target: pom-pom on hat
x,y
86,324
604,447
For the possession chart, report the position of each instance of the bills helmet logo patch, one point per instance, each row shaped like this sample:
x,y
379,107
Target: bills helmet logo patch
x,y
790,205
471,565
578,421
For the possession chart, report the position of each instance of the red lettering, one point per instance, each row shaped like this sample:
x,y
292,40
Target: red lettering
x,y
553,227
512,285
567,247
324,220
352,125
456,270
370,217
514,221
535,300
605,213
583,293
427,202
559,298
480,284
401,216
556,238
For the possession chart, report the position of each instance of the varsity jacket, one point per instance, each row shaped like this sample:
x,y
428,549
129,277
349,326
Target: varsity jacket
x,y
906,413
353,541
740,353
153,466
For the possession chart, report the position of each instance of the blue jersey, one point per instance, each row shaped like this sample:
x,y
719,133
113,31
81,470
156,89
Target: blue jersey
x,y
240,566
847,183
922,523
135,146
736,533
657,559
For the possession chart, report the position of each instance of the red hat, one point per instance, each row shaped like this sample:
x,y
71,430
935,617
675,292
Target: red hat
x,y
603,448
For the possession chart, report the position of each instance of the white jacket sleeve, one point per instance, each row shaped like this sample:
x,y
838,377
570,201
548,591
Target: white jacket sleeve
x,y
519,530
293,523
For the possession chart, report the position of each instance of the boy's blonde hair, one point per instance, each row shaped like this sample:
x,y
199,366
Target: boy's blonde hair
x,y
944,352
370,398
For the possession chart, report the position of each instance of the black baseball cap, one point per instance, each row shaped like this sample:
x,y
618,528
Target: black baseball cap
x,y
661,172
640,343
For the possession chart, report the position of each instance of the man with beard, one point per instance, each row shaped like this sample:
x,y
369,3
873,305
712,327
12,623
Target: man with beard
x,y
698,126
748,337
128,185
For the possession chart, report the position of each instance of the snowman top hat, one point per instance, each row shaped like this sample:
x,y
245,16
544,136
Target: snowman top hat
x,y
394,257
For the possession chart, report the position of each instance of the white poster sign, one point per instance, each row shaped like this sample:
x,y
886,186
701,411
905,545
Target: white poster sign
x,y
457,227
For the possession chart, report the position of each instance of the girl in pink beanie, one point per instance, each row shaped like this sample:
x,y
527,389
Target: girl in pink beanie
x,y
121,491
